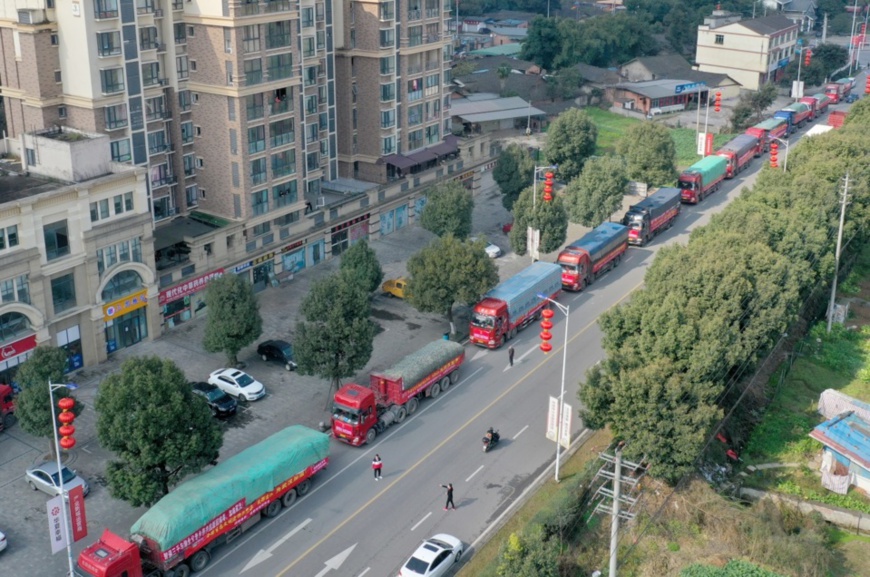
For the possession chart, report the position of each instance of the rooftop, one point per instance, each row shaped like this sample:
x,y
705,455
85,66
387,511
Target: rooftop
x,y
768,25
658,88
848,435
16,184
179,229
512,49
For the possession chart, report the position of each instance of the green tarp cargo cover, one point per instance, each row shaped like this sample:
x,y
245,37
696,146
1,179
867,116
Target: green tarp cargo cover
x,y
416,366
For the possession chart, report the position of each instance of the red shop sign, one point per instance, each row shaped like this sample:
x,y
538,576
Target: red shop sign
x,y
188,287
7,351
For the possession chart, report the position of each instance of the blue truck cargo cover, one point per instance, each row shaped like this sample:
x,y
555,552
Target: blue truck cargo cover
x,y
600,239
245,476
521,290
662,198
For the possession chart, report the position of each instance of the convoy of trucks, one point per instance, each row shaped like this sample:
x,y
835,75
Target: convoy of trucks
x,y
652,215
178,533
796,114
702,178
739,153
514,304
839,90
768,130
360,413
592,255
818,104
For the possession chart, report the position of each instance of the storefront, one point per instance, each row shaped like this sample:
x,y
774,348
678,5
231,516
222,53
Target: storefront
x,y
186,301
349,233
293,257
12,355
126,321
466,179
393,220
70,340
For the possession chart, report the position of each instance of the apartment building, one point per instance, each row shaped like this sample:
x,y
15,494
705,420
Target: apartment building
x,y
752,52
76,251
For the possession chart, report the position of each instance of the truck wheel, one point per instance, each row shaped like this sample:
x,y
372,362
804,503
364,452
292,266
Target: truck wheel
x,y
445,383
412,405
182,570
264,357
435,390
272,509
401,413
454,377
370,435
288,498
200,559
303,487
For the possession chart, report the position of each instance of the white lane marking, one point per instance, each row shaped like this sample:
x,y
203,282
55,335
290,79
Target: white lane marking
x,y
366,570
523,430
474,473
479,354
264,554
420,522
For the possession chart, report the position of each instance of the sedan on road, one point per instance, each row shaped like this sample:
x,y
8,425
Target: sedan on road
x,y
277,350
44,478
238,384
434,557
220,403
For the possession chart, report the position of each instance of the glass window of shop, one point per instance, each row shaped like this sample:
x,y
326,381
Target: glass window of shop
x,y
13,326
70,340
122,284
314,253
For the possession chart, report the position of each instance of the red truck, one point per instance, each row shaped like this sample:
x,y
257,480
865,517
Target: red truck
x,y
702,178
652,215
513,304
7,405
592,255
837,91
739,152
836,118
769,129
359,414
821,103
178,533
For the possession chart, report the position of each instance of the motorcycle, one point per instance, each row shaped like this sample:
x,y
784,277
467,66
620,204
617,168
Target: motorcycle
x,y
490,440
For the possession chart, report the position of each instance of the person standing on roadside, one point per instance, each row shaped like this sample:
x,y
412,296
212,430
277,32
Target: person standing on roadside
x,y
511,355
449,504
376,467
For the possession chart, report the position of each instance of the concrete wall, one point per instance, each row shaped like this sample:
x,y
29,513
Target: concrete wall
x,y
852,520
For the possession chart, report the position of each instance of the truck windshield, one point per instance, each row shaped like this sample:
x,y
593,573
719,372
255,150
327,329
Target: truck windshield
x,y
482,321
635,222
569,268
687,185
345,415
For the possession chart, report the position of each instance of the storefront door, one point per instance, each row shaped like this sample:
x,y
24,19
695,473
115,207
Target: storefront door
x,y
261,275
129,330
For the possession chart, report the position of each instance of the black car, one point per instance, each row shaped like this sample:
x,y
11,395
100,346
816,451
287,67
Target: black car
x,y
220,403
277,350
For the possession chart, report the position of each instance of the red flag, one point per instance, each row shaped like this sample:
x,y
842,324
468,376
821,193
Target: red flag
x,y
77,513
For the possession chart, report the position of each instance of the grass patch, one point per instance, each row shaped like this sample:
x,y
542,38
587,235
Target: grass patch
x,y
611,128
484,561
686,143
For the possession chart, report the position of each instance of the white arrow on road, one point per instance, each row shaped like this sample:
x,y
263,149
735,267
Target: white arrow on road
x,y
336,561
264,554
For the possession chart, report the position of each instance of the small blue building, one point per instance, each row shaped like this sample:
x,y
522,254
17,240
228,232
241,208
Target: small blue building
x,y
846,458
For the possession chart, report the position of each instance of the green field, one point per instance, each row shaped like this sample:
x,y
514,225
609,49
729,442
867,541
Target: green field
x,y
685,140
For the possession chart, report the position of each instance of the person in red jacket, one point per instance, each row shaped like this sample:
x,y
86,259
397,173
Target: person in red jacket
x,y
376,467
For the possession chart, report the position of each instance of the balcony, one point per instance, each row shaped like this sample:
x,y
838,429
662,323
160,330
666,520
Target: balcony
x,y
164,180
145,7
158,115
414,15
252,78
414,69
433,13
157,148
116,124
433,38
150,45
107,51
283,139
280,106
250,8
434,65
278,6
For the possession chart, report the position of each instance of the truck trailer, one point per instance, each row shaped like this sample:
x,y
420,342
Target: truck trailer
x,y
514,304
595,253
796,114
702,178
768,130
739,153
652,215
178,533
360,413
835,91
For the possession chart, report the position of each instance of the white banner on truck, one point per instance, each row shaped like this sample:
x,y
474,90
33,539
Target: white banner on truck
x,y
55,525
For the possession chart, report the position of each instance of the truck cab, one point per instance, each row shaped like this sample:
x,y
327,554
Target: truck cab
x,y
488,321
638,223
354,414
111,556
690,185
574,270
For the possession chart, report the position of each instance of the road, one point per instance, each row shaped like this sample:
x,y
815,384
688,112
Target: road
x,y
350,525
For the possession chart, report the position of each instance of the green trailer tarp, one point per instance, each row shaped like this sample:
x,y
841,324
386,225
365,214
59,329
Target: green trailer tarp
x,y
711,167
247,475
416,366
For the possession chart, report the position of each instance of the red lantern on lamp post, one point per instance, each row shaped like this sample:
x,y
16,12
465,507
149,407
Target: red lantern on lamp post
x,y
867,86
66,417
774,148
808,56
546,325
548,186
718,103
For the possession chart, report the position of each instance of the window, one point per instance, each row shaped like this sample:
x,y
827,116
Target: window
x,y
157,142
260,202
313,160
311,104
388,64
388,38
308,47
415,35
56,236
112,80
147,38
189,163
254,106
415,139
58,76
61,111
99,210
120,150
415,114
432,84
253,71
282,132
388,118
251,38
115,116
415,89
307,17
180,33
184,100
256,139
720,39
388,145
280,66
29,157
191,195
123,202
388,92
433,33
432,134
8,237
283,163
105,9
312,133
387,11
108,43
63,293
150,73
15,290
285,194
186,132
261,229
125,251
258,171
278,35
182,64
54,40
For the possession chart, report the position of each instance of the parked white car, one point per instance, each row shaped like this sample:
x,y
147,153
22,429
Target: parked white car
x,y
492,250
434,557
44,477
238,384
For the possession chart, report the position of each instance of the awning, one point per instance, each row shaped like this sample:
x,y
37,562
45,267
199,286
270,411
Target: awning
x,y
399,161
449,146
423,156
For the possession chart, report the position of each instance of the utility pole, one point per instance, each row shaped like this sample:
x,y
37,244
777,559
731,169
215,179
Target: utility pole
x,y
852,47
843,203
825,28
614,515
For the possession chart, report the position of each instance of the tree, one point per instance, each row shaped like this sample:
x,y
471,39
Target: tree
x,y
529,554
361,263
513,172
570,141
448,210
233,316
503,72
550,218
33,408
336,338
449,271
650,154
158,430
841,24
597,193
750,107
542,43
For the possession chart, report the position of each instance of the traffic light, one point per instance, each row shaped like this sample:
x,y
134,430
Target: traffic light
x,y
774,147
548,187
808,56
546,325
718,105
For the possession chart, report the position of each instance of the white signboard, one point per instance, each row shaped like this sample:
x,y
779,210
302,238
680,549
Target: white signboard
x,y
565,431
702,142
797,89
533,241
553,419
55,525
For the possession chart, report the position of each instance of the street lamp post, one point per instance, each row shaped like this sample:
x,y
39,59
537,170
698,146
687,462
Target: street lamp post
x,y
566,310
63,494
781,141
